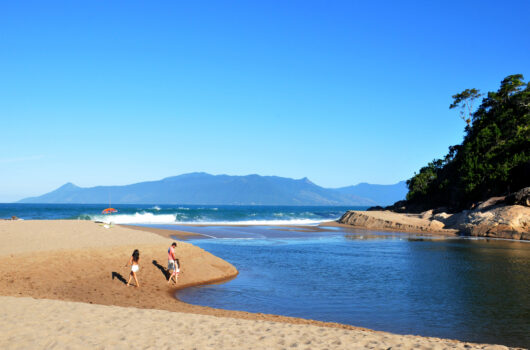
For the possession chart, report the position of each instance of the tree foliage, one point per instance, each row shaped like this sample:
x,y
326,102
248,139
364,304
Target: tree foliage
x,y
465,101
494,157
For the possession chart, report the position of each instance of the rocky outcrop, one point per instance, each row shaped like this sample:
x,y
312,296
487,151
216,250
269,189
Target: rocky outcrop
x,y
387,220
510,221
500,221
402,207
498,217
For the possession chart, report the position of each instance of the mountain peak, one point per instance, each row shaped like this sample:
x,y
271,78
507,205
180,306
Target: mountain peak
x,y
187,175
306,180
67,186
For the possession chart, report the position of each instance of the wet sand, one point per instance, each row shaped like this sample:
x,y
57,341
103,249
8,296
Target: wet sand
x,y
179,234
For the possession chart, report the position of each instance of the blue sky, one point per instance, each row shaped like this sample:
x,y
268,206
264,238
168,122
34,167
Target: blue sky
x,y
111,93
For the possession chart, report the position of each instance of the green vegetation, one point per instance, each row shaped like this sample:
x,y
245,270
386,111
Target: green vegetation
x,y
493,159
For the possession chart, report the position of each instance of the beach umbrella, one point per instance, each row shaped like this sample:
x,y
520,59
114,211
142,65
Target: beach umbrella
x,y
109,211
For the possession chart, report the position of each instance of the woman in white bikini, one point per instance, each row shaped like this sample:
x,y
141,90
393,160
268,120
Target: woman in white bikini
x,y
133,261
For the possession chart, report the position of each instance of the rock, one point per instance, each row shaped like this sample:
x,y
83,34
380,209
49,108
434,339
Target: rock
x,y
521,197
489,219
442,217
436,225
426,214
510,221
490,203
387,220
377,207
398,207
406,207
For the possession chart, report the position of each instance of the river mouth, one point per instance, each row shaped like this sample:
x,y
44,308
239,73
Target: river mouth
x,y
475,290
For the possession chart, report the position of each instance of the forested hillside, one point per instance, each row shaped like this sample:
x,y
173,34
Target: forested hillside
x,y
494,157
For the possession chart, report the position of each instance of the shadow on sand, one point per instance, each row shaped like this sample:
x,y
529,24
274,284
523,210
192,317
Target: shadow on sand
x,y
119,277
162,269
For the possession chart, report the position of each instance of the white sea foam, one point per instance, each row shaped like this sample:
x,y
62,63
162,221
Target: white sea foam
x,y
136,218
180,219
156,207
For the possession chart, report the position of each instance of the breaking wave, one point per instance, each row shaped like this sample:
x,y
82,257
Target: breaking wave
x,y
136,218
183,219
165,214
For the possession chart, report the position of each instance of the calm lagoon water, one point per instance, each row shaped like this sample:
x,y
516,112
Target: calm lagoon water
x,y
468,289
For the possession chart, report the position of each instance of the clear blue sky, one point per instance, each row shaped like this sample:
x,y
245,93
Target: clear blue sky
x,y
111,93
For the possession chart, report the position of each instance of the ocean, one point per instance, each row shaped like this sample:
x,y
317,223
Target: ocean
x,y
177,214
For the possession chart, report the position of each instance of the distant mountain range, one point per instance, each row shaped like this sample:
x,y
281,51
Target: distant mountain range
x,y
202,188
380,194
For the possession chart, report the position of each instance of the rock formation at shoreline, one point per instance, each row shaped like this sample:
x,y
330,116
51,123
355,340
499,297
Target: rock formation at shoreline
x,y
387,220
498,217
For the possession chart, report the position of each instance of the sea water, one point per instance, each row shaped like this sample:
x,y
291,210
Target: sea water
x,y
177,214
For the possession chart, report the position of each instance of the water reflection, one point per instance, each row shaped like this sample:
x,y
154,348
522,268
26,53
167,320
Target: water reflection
x,y
383,236
360,237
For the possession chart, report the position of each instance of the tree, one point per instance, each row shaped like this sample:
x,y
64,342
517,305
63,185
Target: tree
x,y
465,101
494,157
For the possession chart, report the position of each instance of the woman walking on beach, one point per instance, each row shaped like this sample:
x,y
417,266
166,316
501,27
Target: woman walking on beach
x,y
133,261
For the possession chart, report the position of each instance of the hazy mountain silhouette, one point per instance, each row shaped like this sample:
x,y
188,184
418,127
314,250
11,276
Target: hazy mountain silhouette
x,y
202,188
381,194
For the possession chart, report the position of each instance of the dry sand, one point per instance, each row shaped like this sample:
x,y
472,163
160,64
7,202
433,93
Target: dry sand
x,y
81,261
32,236
55,324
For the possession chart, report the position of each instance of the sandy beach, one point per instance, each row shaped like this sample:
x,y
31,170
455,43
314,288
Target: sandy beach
x,y
62,286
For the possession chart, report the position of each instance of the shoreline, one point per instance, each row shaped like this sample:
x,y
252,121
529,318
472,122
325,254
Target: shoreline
x,y
167,233
184,235
320,227
64,273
